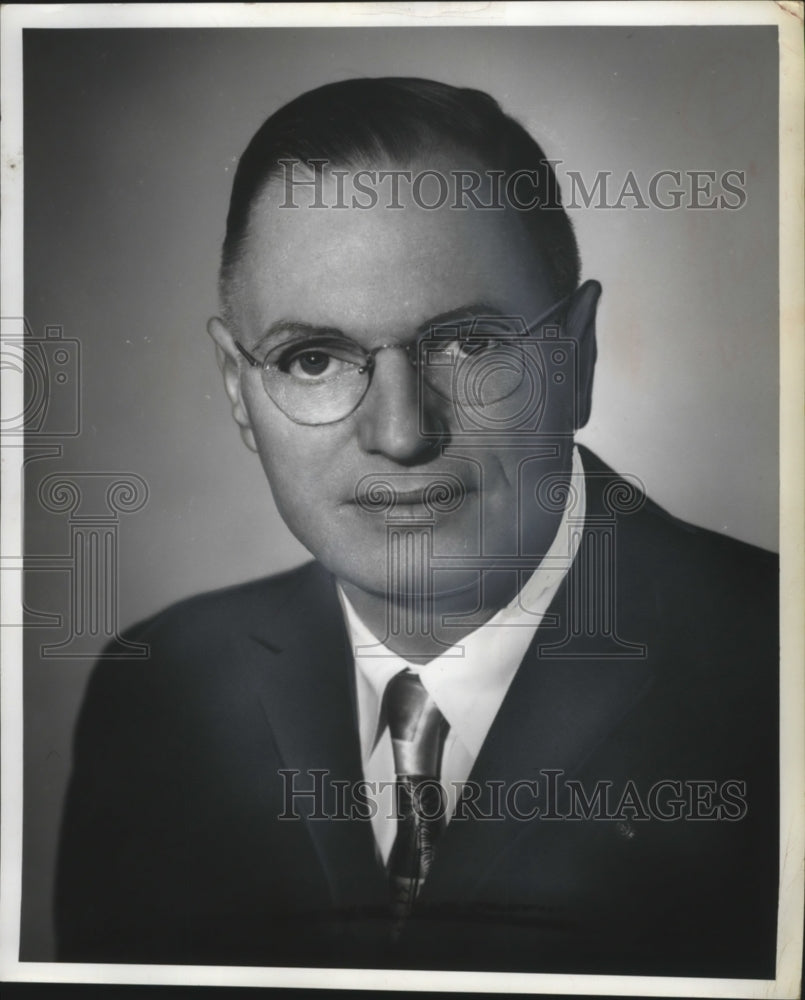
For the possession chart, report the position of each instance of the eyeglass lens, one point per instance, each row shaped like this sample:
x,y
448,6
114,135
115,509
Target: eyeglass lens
x,y
317,380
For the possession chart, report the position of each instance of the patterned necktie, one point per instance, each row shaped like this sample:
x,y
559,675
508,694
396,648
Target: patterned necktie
x,y
418,730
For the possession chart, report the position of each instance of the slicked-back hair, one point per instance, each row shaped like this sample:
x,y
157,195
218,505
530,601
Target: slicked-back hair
x,y
369,121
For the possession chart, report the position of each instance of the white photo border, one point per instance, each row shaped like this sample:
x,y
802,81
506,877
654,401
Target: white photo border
x,y
787,16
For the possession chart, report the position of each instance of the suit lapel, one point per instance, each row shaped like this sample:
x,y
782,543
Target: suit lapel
x,y
305,684
558,709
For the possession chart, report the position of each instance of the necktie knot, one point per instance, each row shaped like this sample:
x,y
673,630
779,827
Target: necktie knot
x,y
417,727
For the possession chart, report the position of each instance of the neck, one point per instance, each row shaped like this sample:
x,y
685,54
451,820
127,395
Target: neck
x,y
419,626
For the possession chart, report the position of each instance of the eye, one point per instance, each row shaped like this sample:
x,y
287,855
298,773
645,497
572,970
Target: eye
x,y
311,363
477,344
481,338
317,360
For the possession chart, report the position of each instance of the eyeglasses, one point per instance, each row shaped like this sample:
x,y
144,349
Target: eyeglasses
x,y
323,378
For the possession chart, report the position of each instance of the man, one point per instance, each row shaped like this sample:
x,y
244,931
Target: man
x,y
514,716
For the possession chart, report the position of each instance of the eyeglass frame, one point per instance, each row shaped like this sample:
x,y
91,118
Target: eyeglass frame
x,y
369,363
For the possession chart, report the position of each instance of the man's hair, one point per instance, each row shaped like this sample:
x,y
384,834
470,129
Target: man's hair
x,y
370,120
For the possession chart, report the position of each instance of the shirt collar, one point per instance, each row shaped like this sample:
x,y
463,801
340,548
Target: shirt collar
x,y
469,681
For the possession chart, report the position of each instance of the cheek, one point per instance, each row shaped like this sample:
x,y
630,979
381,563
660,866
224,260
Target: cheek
x,y
299,493
289,466
300,464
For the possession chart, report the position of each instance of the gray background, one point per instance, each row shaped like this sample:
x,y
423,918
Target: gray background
x,y
131,139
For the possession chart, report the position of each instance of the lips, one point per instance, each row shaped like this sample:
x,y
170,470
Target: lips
x,y
411,498
380,493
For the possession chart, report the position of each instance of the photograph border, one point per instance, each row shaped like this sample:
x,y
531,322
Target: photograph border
x,y
788,18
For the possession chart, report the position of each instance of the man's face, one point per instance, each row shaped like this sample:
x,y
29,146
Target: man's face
x,y
382,276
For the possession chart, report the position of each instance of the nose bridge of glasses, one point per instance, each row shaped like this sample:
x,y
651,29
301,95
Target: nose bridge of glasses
x,y
409,349
393,385
390,414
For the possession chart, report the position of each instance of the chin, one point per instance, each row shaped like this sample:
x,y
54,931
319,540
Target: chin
x,y
411,586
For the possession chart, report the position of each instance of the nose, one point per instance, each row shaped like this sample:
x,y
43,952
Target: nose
x,y
391,420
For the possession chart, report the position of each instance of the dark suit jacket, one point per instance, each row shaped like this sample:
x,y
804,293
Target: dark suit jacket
x,y
172,850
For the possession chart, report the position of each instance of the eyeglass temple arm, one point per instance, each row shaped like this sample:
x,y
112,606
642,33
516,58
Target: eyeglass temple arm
x,y
249,357
565,300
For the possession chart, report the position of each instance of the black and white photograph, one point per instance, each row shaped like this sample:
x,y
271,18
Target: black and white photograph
x,y
402,552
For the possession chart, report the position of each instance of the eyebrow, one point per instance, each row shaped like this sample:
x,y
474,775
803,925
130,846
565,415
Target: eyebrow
x,y
472,311
300,328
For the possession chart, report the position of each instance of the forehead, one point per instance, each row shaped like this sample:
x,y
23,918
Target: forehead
x,y
389,266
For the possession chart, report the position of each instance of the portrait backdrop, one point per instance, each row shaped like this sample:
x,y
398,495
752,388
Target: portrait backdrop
x,y
131,142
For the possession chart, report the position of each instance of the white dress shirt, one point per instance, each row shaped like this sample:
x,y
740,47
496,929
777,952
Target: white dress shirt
x,y
468,687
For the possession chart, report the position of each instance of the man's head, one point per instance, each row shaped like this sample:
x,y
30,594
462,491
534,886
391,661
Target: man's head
x,y
398,120
390,247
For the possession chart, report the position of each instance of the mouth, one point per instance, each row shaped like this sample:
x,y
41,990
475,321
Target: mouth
x,y
380,494
410,498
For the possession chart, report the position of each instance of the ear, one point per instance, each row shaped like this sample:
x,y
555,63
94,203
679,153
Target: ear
x,y
229,362
581,327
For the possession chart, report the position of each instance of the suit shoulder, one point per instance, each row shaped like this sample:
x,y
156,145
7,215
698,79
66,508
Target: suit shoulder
x,y
199,641
666,542
704,561
724,550
228,609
